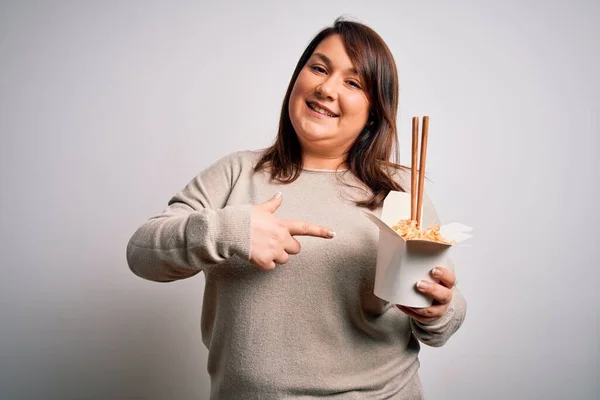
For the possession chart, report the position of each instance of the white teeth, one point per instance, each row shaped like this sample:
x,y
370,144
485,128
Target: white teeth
x,y
320,110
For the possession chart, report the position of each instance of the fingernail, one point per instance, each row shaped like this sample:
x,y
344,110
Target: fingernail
x,y
436,272
331,234
423,285
277,195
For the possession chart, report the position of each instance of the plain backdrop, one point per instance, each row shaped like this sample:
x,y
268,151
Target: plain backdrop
x,y
107,108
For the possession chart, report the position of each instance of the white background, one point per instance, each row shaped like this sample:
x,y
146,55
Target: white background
x,y
107,108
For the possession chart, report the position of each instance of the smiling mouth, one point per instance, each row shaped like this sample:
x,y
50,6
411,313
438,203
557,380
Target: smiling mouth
x,y
320,110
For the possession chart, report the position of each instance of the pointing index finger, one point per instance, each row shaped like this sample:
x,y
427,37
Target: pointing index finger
x,y
303,228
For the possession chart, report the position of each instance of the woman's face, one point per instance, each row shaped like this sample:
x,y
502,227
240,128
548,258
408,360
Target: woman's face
x,y
328,106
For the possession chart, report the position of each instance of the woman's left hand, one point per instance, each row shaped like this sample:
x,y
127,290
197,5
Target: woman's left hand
x,y
440,292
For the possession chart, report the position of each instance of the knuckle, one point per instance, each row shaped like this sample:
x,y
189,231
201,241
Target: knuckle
x,y
449,276
275,231
293,247
305,227
270,266
282,233
428,312
275,251
291,250
297,248
448,297
265,262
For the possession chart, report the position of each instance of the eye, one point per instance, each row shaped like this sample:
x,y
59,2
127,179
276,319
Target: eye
x,y
354,84
319,69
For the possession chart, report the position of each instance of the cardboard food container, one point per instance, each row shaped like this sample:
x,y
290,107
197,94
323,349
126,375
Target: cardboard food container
x,y
402,263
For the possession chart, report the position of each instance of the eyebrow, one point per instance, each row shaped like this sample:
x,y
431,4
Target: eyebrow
x,y
327,61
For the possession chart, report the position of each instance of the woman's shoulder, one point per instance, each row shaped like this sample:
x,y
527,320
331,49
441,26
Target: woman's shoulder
x,y
231,166
241,159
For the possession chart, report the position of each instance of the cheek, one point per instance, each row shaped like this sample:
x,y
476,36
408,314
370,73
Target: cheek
x,y
298,93
302,83
295,97
356,107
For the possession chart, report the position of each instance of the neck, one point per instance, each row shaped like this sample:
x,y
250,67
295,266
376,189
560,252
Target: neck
x,y
321,161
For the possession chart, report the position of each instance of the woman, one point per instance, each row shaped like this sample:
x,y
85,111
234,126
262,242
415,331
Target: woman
x,y
289,309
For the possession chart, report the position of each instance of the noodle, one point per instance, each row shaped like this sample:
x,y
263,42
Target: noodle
x,y
409,231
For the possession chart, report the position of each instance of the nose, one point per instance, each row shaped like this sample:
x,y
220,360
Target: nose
x,y
328,88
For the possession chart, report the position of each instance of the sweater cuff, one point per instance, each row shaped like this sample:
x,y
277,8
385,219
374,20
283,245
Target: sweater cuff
x,y
221,233
439,324
232,231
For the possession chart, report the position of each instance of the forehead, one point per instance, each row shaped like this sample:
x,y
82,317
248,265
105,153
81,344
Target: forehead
x,y
333,48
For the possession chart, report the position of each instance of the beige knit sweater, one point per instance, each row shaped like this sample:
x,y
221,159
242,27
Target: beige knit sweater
x,y
311,328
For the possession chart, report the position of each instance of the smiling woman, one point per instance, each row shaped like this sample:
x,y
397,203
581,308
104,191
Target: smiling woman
x,y
340,111
289,309
328,108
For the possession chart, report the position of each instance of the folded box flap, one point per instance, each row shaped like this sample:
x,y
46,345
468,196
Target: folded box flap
x,y
455,231
380,224
426,246
396,207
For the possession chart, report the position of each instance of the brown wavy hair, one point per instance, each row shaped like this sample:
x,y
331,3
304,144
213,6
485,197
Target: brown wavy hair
x,y
374,155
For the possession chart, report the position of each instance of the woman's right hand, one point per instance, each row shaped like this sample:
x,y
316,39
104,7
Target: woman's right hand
x,y
272,239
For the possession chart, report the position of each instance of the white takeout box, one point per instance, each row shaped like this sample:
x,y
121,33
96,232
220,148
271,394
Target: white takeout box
x,y
402,263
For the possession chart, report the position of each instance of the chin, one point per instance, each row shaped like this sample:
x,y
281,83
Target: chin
x,y
312,130
314,134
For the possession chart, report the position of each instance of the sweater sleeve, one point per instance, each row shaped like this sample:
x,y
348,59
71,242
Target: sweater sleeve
x,y
195,230
438,332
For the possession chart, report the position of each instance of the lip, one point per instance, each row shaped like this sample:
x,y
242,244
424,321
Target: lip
x,y
321,106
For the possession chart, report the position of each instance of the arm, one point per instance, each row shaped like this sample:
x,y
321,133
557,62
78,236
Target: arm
x,y
436,333
195,230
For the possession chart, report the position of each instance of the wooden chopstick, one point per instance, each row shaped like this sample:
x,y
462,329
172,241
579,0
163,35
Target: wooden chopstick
x,y
422,161
416,195
413,169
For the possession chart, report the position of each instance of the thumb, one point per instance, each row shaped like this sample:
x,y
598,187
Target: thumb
x,y
273,203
